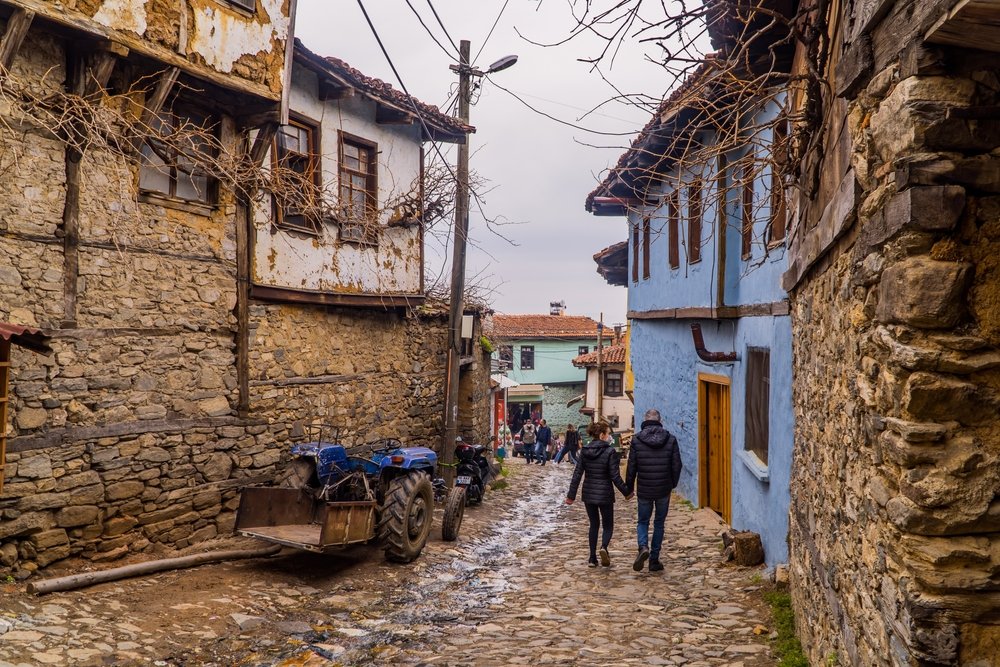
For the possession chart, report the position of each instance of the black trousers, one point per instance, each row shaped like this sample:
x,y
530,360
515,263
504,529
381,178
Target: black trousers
x,y
599,514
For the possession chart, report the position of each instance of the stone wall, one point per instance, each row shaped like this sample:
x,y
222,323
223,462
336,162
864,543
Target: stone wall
x,y
126,439
895,509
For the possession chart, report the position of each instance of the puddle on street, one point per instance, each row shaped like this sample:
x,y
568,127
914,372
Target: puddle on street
x,y
459,588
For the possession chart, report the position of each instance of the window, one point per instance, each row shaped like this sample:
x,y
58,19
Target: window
x,y
168,168
358,188
779,146
635,253
296,156
673,231
694,223
507,356
646,233
249,5
527,357
583,349
613,383
747,211
758,389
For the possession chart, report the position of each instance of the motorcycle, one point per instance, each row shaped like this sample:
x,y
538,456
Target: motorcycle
x,y
474,471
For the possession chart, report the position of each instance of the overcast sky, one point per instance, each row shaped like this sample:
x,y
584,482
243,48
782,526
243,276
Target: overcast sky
x,y
540,171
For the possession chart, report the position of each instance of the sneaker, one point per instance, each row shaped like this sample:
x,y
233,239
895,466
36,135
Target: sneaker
x,y
655,566
592,562
605,557
641,559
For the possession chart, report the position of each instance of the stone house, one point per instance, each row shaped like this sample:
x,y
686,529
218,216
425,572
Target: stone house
x,y
183,362
894,285
710,334
538,352
606,375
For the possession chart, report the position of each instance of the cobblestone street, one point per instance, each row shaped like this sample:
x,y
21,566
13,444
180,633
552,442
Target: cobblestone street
x,y
514,589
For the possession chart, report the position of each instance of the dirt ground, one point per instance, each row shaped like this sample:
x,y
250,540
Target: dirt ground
x,y
514,589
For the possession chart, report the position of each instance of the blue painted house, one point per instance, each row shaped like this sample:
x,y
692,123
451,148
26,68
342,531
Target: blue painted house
x,y
710,329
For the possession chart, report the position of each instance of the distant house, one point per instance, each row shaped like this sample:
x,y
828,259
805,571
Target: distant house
x,y
710,328
607,375
538,353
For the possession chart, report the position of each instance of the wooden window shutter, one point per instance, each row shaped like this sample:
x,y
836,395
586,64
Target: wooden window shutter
x,y
646,232
694,222
747,211
635,253
673,231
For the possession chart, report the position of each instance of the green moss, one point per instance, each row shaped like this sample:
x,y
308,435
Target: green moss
x,y
786,645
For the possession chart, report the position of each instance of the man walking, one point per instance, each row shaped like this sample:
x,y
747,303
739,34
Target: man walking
x,y
544,438
528,438
654,461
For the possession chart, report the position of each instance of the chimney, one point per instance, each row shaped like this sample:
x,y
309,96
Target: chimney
x,y
618,334
557,307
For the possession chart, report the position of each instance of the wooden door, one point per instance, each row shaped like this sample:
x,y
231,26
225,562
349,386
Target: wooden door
x,y
714,445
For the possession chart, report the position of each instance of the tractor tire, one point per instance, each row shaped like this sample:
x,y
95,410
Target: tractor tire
x,y
298,474
407,514
454,510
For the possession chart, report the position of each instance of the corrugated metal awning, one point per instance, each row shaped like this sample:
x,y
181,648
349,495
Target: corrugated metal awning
x,y
26,337
525,390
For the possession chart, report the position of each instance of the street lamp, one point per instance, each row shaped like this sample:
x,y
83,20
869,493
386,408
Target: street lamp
x,y
465,72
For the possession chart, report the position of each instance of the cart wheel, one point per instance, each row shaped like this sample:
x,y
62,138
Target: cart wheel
x,y
407,513
454,510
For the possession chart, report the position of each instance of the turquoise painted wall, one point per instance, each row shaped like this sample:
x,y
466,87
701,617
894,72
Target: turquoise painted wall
x,y
553,361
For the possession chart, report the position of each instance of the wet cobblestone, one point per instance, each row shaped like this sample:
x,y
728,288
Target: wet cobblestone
x,y
515,589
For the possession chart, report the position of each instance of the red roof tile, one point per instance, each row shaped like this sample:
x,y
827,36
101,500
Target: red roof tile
x,y
341,73
544,326
613,354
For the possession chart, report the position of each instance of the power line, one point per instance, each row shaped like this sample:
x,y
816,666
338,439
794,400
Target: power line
x,y
431,5
490,33
428,30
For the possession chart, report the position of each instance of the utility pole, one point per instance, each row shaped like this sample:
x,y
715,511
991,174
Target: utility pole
x,y
600,370
465,73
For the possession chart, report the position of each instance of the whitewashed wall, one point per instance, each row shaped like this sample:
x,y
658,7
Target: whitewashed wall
x,y
323,263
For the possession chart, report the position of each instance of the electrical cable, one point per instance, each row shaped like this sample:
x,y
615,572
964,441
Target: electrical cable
x,y
428,31
490,33
434,11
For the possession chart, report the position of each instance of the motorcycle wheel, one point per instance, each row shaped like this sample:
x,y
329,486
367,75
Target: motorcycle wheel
x,y
454,510
405,520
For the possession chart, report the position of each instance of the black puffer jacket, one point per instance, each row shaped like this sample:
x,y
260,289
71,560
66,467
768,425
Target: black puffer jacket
x,y
655,461
598,468
572,440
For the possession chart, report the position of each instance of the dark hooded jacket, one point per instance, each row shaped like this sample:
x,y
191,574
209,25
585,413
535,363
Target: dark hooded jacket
x,y
598,467
654,461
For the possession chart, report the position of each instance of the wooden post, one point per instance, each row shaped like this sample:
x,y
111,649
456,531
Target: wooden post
x,y
17,29
599,412
4,392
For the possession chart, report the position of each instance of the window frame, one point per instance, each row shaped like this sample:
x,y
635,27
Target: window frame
x,y
746,212
673,230
614,378
757,403
646,242
174,113
582,349
243,5
695,212
528,365
363,234
635,252
310,224
778,223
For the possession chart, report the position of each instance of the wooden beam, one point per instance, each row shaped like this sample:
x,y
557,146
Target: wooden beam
x,y
17,30
262,142
154,101
329,91
386,115
974,24
288,295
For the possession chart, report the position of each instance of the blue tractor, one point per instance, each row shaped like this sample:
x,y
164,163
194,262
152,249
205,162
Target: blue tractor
x,y
331,496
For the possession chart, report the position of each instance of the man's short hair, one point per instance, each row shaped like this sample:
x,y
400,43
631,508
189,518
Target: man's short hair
x,y
652,415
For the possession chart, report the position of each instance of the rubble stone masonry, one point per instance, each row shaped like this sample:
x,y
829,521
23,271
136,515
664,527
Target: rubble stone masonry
x,y
126,439
895,525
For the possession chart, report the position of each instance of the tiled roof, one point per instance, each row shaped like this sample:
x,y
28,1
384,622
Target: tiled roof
x,y
612,264
695,90
343,74
543,326
613,354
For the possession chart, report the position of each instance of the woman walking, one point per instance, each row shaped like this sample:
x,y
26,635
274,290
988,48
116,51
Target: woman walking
x,y
571,443
598,467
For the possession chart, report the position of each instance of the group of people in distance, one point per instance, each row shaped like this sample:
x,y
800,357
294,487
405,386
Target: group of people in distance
x,y
653,470
540,445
